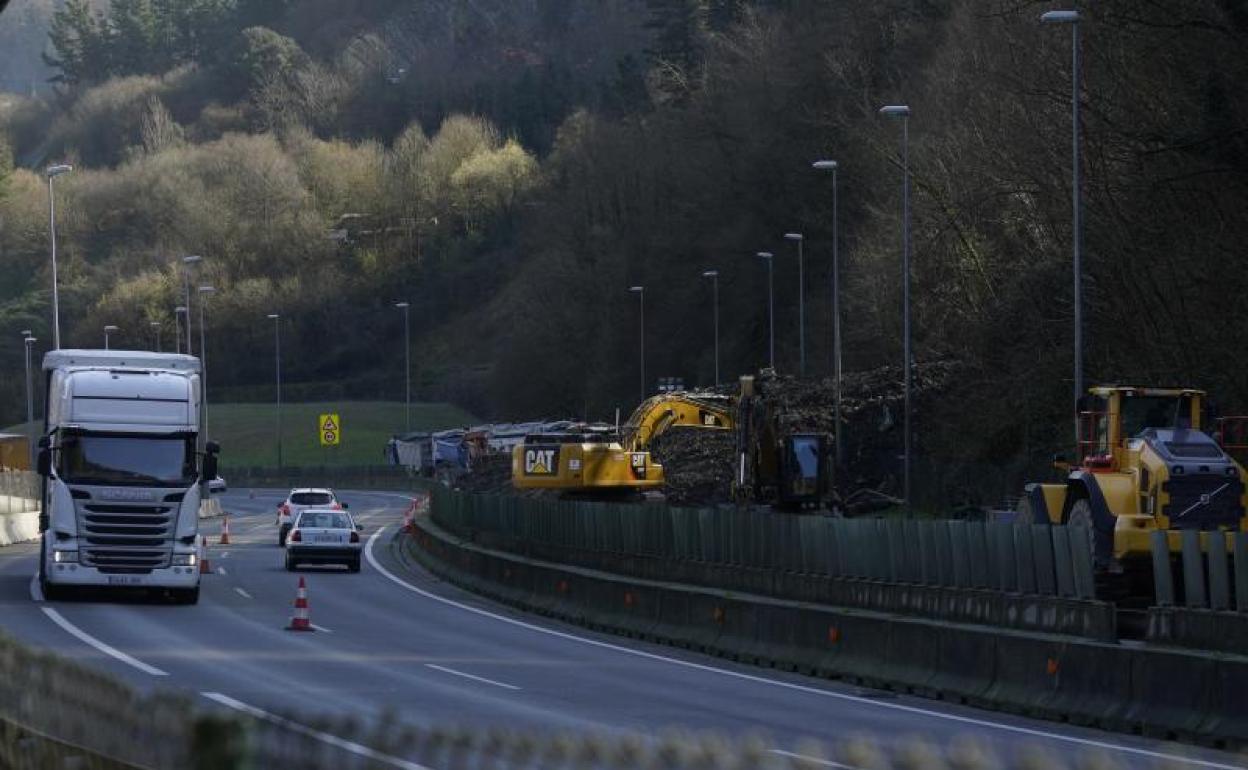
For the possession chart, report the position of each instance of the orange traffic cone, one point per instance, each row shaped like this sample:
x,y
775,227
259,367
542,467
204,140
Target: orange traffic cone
x,y
205,568
225,530
301,621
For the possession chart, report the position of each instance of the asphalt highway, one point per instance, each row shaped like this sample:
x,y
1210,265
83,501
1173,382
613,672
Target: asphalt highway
x,y
392,637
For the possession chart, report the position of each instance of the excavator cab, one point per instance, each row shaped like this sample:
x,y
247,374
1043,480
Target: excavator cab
x,y
789,470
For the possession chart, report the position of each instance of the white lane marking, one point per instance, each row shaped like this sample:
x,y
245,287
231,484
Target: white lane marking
x,y
225,554
36,590
813,760
320,628
109,650
221,571
332,740
241,592
1030,731
446,670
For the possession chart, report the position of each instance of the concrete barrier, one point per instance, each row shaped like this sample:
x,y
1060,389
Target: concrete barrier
x,y
19,527
1172,693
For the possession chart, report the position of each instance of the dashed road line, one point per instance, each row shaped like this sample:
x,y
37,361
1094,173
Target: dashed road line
x,y
474,678
332,740
322,629
241,592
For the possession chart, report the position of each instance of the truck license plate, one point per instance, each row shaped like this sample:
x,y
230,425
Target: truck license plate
x,y
125,580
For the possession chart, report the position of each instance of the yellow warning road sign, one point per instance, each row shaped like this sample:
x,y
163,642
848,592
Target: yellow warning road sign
x,y
330,428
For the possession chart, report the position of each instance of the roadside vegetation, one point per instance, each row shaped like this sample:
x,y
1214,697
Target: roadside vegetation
x,y
510,168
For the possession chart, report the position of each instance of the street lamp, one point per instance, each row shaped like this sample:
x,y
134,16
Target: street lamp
x,y
801,301
204,291
108,329
187,264
276,318
407,359
1072,18
771,309
714,276
156,327
53,172
641,297
30,401
903,112
178,312
831,165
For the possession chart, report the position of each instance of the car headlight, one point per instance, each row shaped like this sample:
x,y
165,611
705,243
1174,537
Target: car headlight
x,y
185,560
65,557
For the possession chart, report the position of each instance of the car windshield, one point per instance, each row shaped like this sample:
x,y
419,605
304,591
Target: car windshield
x,y
324,520
311,498
155,461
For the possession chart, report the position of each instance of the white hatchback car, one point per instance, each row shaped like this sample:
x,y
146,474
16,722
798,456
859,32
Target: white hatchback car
x,y
324,536
309,497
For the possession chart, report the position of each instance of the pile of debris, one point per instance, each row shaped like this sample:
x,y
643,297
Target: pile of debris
x,y
698,464
488,473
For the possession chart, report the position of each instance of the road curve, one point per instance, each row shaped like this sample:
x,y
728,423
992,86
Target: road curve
x,y
394,638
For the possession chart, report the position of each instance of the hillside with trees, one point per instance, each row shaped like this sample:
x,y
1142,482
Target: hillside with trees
x,y
511,167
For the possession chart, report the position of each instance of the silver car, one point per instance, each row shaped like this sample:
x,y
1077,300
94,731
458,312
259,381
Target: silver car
x,y
324,536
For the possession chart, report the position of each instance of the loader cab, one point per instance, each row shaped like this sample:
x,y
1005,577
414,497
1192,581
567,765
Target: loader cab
x,y
1109,416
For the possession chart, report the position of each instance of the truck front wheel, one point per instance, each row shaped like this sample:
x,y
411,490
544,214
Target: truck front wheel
x,y
186,595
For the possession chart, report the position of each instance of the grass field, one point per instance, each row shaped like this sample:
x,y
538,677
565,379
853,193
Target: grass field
x,y
246,432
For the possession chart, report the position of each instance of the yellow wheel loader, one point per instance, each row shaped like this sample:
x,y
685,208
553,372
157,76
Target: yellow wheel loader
x,y
603,461
1146,461
775,465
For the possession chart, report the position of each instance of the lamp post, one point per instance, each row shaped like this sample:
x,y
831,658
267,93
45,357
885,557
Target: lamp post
x,y
407,360
771,310
714,276
1072,18
108,329
204,291
187,264
53,172
156,328
831,165
903,113
30,401
801,301
178,312
277,367
641,298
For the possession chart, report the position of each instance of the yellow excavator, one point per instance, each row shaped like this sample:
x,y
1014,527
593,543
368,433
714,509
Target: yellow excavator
x,y
1147,460
604,460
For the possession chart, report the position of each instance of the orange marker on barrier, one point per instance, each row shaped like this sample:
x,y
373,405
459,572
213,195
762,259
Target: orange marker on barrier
x,y
301,621
225,531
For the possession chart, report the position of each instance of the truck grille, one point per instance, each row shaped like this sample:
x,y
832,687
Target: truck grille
x,y
1189,508
126,537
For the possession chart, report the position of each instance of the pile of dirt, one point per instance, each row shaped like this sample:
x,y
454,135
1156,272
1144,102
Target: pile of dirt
x,y
697,465
491,473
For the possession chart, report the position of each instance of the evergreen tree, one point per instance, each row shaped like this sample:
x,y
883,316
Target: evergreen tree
x,y
80,40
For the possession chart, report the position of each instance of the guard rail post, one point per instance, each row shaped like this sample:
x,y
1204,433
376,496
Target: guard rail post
x,y
1193,571
1219,577
1163,581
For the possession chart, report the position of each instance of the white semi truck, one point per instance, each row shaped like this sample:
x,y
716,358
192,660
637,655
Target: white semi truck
x,y
122,476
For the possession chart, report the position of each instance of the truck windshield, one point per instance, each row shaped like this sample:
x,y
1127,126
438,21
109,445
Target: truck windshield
x,y
158,461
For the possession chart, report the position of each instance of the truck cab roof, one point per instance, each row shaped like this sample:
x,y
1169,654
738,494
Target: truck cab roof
x,y
119,359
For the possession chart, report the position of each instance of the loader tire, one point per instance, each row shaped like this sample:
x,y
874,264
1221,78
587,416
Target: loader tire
x,y
1082,525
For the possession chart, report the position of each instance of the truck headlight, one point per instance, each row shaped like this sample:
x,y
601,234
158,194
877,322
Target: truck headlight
x,y
65,557
185,560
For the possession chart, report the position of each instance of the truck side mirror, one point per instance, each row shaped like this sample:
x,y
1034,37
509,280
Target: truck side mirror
x,y
212,447
43,462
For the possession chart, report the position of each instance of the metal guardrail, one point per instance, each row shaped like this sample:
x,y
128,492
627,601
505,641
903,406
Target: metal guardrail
x,y
1029,559
1212,577
19,491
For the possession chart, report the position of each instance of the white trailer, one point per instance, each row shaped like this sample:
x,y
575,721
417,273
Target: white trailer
x,y
122,476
